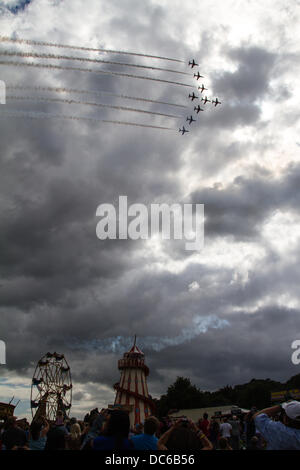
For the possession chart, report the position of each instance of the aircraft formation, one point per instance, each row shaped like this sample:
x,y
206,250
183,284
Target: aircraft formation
x,y
75,63
193,96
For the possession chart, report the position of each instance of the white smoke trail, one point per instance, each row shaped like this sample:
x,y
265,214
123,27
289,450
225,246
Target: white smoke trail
x,y
120,344
64,46
102,72
41,115
124,123
91,92
84,59
86,103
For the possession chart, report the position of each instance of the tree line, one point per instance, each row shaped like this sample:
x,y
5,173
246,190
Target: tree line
x,y
182,394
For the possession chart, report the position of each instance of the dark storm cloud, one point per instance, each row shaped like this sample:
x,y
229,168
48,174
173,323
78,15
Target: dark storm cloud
x,y
231,116
50,253
240,91
147,17
250,82
258,345
50,213
240,209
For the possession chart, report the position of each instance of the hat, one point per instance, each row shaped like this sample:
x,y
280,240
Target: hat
x,y
292,409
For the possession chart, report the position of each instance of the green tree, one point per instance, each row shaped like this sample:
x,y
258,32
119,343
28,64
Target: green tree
x,y
181,395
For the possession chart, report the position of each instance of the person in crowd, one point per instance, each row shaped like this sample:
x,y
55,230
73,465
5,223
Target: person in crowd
x,y
93,428
250,426
58,434
223,444
84,431
139,428
38,434
60,422
163,426
131,433
254,444
147,440
13,436
203,424
243,431
115,432
74,440
225,429
1,432
235,433
214,430
184,436
56,439
284,434
23,424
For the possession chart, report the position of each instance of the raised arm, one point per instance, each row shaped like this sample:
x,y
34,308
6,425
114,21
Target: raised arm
x,y
271,411
161,444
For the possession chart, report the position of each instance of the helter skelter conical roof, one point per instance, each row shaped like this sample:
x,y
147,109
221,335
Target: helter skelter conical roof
x,y
134,350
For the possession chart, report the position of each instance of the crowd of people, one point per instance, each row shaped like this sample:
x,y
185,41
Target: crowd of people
x,y
276,428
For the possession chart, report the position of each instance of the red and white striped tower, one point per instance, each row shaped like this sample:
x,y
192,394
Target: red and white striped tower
x,y
132,391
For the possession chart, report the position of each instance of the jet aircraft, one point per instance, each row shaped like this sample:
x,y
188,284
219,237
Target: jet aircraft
x,y
198,109
215,102
205,100
183,130
190,119
193,96
197,75
192,63
202,88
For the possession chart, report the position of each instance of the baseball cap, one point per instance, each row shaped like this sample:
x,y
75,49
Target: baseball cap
x,y
292,409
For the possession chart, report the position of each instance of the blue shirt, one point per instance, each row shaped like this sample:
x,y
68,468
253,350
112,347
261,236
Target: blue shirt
x,y
108,443
277,435
144,442
38,444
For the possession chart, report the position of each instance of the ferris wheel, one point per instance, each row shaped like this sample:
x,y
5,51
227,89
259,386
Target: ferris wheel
x,y
51,389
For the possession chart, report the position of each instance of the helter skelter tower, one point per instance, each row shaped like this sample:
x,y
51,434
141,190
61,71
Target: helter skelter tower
x,y
132,391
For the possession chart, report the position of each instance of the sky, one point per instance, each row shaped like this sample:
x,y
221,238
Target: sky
x,y
222,315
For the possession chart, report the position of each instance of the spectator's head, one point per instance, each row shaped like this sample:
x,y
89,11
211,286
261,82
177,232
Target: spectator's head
x,y
60,418
254,442
139,428
35,428
97,423
223,444
94,413
291,417
56,439
117,425
10,422
205,415
151,425
183,439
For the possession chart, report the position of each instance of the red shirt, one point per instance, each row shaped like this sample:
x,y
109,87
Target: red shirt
x,y
204,423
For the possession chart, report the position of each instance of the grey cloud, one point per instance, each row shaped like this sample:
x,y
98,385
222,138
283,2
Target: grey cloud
x,y
240,209
250,82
